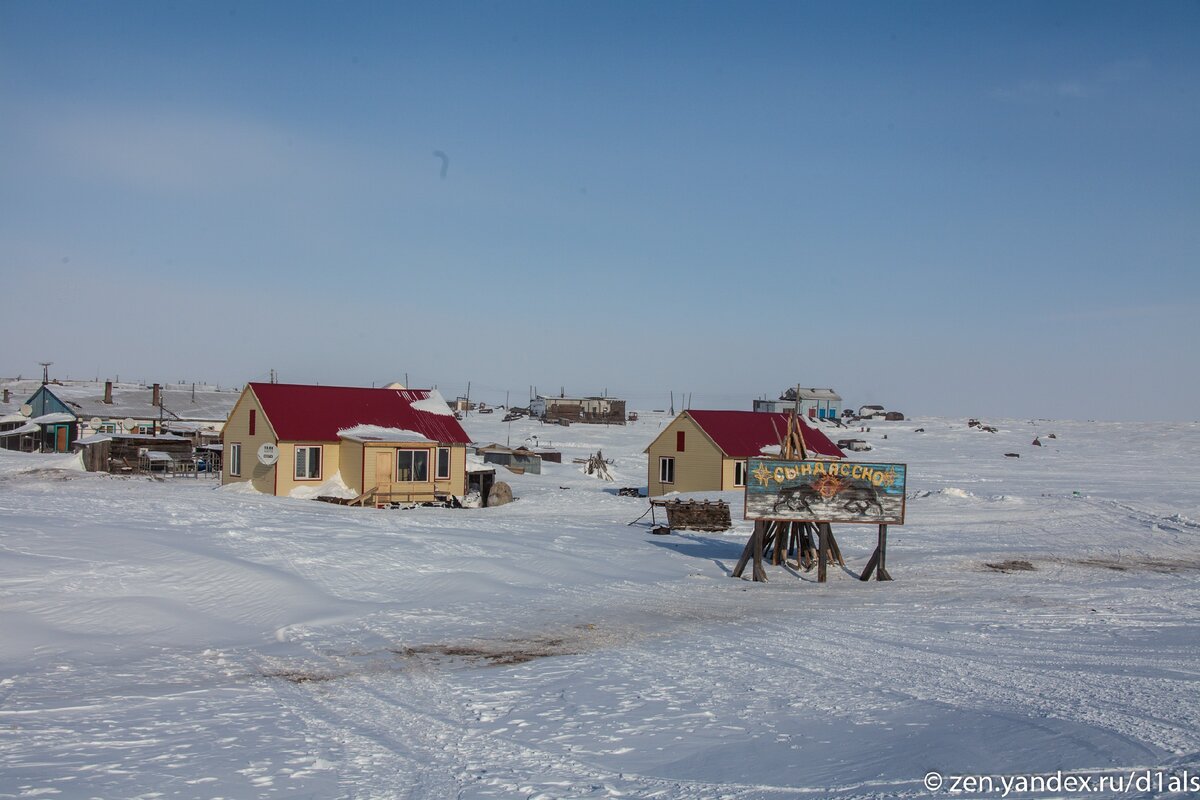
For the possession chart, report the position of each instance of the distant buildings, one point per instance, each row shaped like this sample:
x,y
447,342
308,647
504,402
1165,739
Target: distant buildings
x,y
107,407
814,403
604,410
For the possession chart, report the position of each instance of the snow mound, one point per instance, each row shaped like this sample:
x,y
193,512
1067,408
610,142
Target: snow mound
x,y
333,487
241,487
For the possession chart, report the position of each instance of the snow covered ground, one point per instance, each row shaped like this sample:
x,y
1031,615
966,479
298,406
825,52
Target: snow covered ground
x,y
163,639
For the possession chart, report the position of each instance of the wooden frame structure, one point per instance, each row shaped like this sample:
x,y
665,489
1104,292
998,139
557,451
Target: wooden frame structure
x,y
777,539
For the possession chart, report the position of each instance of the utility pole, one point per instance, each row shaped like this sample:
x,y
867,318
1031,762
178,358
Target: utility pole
x,y
45,371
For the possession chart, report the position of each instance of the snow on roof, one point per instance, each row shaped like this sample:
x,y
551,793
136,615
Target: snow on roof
x,y
86,399
28,427
97,439
433,404
376,433
300,413
52,419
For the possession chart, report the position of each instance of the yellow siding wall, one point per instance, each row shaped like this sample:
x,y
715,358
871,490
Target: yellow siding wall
x,y
237,430
697,469
285,480
727,473
351,459
456,485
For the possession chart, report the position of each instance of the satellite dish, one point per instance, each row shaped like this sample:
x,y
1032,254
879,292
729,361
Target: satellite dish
x,y
268,454
94,423
26,410
128,424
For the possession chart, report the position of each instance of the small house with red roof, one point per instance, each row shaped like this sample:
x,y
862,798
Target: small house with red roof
x,y
707,450
380,445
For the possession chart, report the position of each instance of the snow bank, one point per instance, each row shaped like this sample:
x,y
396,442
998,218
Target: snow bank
x,y
334,487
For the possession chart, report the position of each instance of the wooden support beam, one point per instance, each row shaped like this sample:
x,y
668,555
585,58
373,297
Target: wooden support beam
x,y
866,574
881,571
822,551
757,572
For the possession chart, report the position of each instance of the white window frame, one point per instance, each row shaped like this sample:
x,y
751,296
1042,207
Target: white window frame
x,y
235,459
308,448
438,464
739,473
663,469
411,452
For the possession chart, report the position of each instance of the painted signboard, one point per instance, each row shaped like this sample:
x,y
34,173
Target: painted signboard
x,y
825,491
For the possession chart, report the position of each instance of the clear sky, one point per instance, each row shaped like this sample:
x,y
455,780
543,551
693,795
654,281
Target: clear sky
x,y
951,208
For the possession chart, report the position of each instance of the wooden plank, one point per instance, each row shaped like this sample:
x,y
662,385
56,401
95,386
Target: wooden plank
x,y
759,574
822,550
881,572
866,574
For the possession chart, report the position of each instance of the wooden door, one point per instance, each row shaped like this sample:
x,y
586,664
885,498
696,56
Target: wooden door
x,y
60,438
383,470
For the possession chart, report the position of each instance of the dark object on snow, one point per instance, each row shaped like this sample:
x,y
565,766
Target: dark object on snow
x,y
1012,455
1052,436
695,515
919,430
1013,565
893,416
629,491
989,428
1037,442
661,530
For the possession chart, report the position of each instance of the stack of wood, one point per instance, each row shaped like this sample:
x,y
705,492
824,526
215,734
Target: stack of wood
x,y
694,515
598,467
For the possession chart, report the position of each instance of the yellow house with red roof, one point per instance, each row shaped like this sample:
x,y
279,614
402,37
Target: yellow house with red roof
x,y
376,445
706,451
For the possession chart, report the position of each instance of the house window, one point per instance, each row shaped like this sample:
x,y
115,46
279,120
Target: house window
x,y
666,469
107,427
145,430
235,459
443,463
308,463
679,440
412,466
252,421
739,473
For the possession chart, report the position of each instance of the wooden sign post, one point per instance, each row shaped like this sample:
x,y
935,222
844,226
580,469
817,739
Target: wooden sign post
x,y
788,498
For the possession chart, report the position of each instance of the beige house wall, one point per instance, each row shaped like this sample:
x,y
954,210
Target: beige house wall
x,y
285,477
698,468
369,459
237,431
351,459
728,477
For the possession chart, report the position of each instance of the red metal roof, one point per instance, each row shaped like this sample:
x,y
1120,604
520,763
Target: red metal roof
x,y
300,413
742,434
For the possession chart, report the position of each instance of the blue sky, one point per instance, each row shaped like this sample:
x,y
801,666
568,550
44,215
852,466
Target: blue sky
x,y
950,208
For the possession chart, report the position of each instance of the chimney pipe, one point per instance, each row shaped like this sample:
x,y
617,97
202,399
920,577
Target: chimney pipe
x,y
157,401
6,395
108,393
